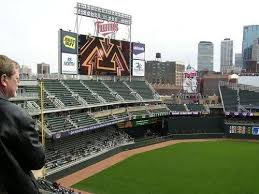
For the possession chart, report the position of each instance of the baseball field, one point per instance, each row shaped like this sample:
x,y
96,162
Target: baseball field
x,y
216,167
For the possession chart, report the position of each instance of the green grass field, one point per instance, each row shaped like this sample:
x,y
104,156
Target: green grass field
x,y
220,167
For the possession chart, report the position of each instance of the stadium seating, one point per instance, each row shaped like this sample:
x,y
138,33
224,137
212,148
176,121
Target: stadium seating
x,y
80,89
142,89
64,152
100,89
249,98
196,107
229,98
47,187
56,88
121,89
59,123
82,119
176,107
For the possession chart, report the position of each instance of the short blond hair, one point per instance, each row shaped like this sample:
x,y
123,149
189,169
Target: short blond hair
x,y
7,66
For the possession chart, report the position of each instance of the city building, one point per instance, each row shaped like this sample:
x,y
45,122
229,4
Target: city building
x,y
169,72
205,56
226,55
250,34
255,50
238,60
25,72
209,83
43,68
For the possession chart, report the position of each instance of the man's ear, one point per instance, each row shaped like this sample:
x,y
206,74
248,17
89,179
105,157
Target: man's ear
x,y
3,80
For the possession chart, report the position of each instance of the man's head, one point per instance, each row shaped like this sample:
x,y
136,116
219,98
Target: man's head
x,y
9,76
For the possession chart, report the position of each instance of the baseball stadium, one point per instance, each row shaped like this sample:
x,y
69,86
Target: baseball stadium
x,y
108,130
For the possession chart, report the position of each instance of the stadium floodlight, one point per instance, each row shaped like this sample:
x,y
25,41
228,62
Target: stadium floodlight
x,y
103,14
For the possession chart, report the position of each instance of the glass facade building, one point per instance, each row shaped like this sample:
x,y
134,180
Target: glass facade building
x,y
250,33
205,56
226,55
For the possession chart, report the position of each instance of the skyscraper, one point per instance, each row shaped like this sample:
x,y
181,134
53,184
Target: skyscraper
x,y
226,55
255,50
250,33
238,60
205,56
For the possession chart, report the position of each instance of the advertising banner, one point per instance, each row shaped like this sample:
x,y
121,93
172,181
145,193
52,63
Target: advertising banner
x,y
67,52
69,63
138,50
138,68
68,42
255,130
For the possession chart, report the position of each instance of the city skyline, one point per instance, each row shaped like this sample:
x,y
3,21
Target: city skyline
x,y
30,31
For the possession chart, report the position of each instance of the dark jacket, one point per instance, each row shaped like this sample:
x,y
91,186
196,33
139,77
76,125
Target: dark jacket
x,y
20,150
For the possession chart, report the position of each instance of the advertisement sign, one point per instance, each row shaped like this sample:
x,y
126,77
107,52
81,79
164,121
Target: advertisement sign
x,y
68,42
233,129
190,80
67,59
255,130
138,50
69,63
138,68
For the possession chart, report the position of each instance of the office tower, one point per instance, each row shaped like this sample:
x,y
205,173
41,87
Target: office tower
x,y
205,56
255,50
250,34
226,55
238,60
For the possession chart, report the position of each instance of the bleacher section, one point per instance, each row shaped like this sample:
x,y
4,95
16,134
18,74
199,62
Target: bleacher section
x,y
80,89
47,187
59,123
239,98
142,89
100,89
47,103
177,107
70,94
196,107
103,119
56,88
249,98
82,119
229,98
65,151
121,89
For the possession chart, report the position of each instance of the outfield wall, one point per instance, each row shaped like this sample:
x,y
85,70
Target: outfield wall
x,y
190,124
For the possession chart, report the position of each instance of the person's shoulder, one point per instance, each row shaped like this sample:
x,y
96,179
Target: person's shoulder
x,y
16,110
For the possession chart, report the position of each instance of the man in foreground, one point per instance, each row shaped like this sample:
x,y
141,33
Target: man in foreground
x,y
20,149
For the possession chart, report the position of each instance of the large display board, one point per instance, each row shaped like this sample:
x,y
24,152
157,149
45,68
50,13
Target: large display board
x,y
102,56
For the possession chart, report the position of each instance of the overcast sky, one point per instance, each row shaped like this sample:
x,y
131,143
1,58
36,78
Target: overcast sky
x,y
29,29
